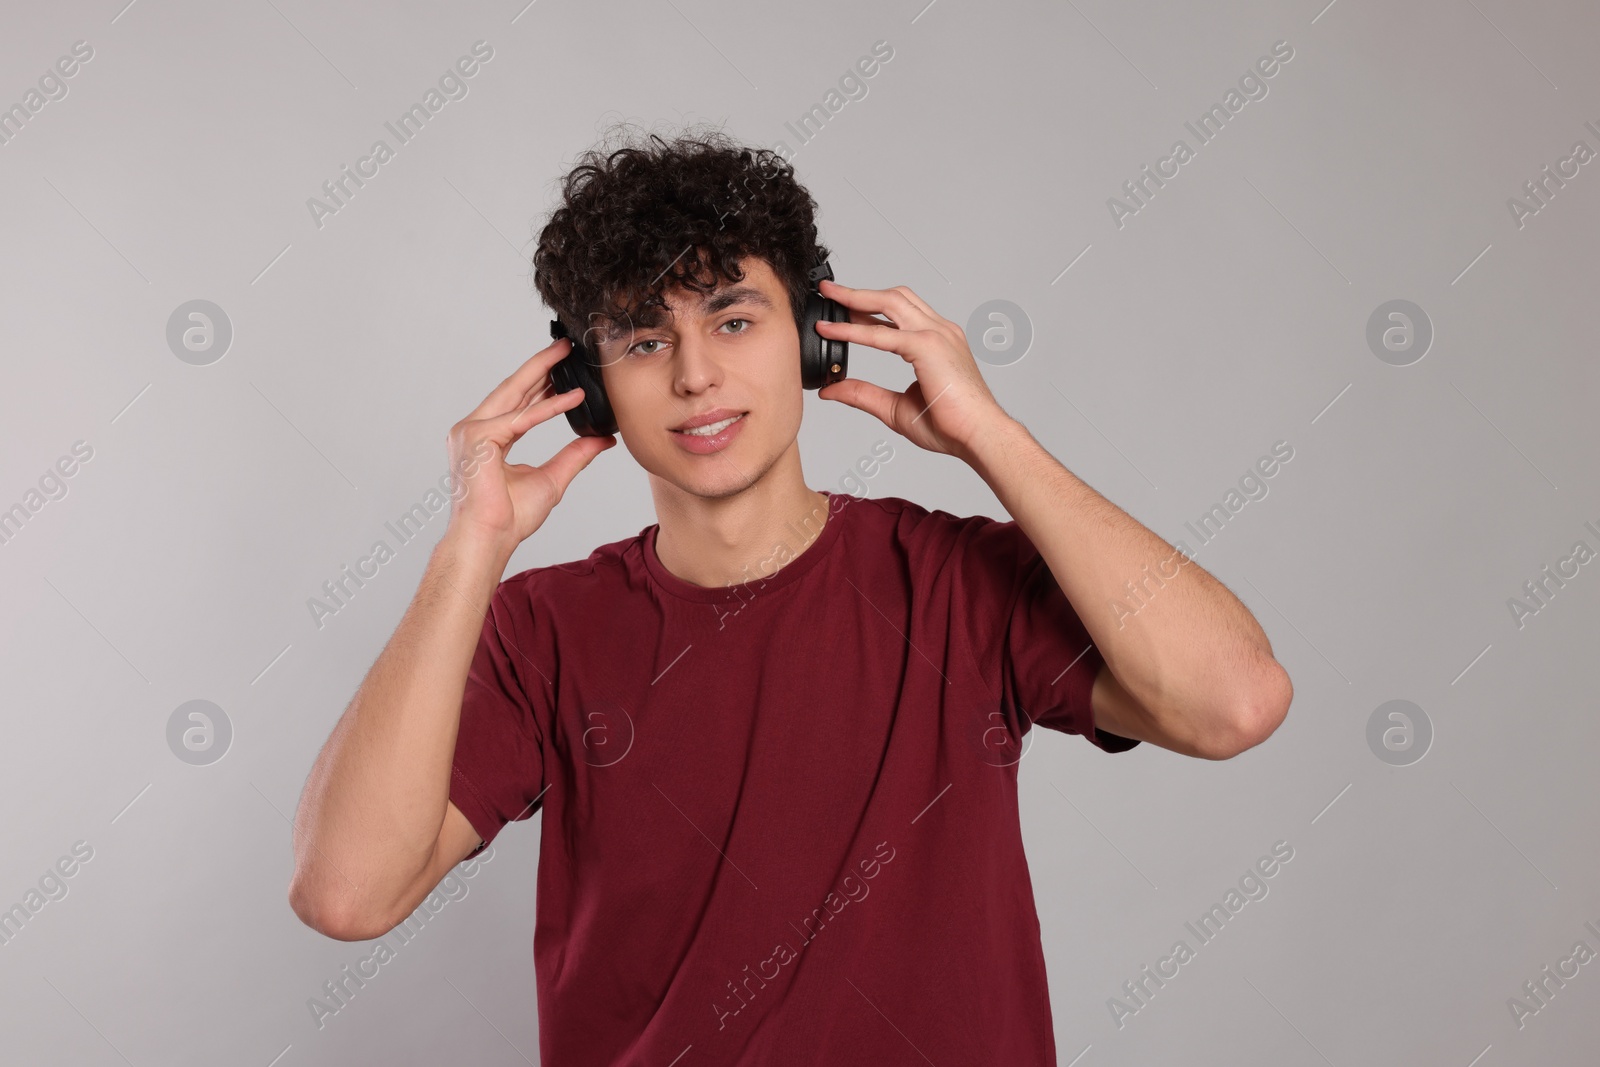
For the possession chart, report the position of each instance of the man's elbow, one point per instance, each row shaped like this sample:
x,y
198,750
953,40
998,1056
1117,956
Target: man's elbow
x,y
326,917
1260,713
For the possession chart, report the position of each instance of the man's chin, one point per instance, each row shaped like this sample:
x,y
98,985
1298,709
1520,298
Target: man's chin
x,y
717,480
720,489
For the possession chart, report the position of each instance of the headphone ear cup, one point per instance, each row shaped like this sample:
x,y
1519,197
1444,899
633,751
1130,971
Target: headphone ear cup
x,y
592,417
823,360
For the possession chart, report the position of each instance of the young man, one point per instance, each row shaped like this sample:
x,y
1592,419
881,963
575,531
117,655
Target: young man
x,y
773,737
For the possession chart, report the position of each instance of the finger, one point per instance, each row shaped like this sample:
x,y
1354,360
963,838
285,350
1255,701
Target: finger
x,y
888,302
573,457
933,320
873,399
507,429
905,291
868,319
938,320
510,393
886,338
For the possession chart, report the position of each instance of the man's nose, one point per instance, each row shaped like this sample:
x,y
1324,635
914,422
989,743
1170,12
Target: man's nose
x,y
697,366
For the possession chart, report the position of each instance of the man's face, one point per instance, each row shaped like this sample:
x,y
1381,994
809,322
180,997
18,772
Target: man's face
x,y
735,351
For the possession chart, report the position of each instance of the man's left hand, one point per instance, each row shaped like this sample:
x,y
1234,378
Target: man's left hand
x,y
949,407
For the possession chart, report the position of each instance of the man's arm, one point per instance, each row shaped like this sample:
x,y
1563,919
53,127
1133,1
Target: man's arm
x,y
1192,671
376,830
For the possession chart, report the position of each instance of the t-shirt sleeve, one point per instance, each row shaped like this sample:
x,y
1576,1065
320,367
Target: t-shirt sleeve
x,y
1046,660
497,772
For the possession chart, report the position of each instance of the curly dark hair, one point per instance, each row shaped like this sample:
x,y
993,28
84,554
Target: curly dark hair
x,y
643,217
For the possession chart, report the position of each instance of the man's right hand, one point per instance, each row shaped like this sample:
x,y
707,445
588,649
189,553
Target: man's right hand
x,y
500,504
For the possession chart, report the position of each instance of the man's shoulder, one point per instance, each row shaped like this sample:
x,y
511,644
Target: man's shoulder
x,y
608,562
912,521
931,540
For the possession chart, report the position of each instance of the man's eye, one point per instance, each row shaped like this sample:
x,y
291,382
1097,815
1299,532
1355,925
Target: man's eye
x,y
637,349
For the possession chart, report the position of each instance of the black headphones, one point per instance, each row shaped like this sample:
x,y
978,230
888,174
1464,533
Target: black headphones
x,y
823,360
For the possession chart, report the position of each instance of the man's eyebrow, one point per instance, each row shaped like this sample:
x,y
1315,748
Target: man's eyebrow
x,y
710,304
738,294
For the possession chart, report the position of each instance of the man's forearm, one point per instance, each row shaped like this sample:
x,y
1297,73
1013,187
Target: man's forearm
x,y
1193,651
375,800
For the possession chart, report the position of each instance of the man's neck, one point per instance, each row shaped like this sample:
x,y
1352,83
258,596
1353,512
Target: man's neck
x,y
740,538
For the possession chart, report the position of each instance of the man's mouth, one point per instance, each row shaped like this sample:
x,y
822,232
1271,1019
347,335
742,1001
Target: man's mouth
x,y
710,429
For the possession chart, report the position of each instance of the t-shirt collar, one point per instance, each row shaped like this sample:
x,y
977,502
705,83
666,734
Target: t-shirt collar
x,y
838,506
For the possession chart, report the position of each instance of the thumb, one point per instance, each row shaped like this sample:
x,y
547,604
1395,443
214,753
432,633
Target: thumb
x,y
865,396
574,456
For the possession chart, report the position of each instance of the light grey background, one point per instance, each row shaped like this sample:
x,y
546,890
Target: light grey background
x,y
1228,314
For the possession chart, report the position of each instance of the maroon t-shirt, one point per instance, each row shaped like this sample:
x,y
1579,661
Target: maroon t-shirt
x,y
779,819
